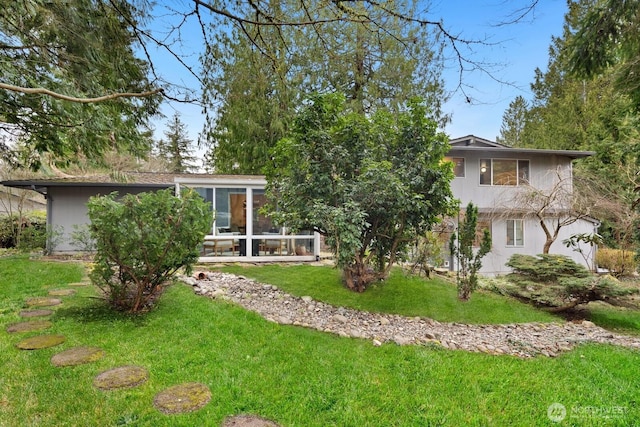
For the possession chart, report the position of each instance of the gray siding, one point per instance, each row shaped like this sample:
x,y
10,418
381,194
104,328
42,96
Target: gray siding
x,y
493,200
67,206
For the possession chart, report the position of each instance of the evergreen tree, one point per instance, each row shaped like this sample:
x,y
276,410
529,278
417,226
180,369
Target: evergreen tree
x,y
176,148
254,85
57,60
513,122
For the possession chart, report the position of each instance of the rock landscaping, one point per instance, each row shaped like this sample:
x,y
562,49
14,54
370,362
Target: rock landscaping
x,y
518,339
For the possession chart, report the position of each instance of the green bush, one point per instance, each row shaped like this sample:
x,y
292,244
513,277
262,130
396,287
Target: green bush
x,y
558,282
546,267
142,241
618,261
24,232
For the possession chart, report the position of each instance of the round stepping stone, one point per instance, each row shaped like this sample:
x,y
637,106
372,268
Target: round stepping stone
x,y
35,313
61,292
40,341
122,377
34,325
182,398
247,421
77,356
78,284
43,302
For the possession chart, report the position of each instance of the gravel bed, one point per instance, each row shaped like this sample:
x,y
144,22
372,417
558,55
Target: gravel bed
x,y
516,339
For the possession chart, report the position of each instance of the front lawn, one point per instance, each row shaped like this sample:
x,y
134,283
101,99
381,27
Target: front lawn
x,y
291,375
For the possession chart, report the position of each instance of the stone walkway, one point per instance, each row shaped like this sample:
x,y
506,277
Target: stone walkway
x,y
518,339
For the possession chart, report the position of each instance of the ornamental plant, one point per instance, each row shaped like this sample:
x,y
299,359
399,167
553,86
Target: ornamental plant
x,y
142,240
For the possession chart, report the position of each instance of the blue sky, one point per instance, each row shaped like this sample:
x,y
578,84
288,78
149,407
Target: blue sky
x,y
514,51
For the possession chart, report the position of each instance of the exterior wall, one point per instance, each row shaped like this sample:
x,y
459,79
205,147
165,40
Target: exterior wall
x,y
468,189
534,238
492,201
67,206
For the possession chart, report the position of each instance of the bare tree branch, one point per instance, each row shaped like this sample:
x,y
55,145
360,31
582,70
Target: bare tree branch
x,y
44,91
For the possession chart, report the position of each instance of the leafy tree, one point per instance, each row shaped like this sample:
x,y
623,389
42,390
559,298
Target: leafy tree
x,y
368,183
253,96
469,258
176,148
513,123
71,82
142,241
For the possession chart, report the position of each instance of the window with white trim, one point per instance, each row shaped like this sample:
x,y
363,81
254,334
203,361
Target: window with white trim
x,y
458,165
504,172
515,232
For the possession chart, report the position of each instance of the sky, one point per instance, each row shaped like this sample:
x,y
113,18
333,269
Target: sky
x,y
512,53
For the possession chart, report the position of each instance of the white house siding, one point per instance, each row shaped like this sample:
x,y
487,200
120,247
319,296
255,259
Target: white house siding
x,y
67,206
493,200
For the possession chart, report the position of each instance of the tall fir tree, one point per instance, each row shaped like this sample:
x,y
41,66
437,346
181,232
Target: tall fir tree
x,y
254,86
176,147
513,123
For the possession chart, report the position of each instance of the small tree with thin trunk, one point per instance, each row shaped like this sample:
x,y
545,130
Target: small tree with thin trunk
x,y
469,257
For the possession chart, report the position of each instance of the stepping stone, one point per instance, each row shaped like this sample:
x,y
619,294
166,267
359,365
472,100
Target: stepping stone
x,y
182,398
61,292
78,284
247,421
43,302
77,356
40,341
35,313
34,325
122,377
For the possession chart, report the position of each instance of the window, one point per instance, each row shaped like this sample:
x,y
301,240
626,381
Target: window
x,y
458,165
504,172
515,232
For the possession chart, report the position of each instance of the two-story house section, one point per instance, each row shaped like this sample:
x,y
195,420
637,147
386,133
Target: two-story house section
x,y
501,181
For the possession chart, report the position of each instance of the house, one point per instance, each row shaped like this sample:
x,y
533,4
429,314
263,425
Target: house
x,y
501,181
490,175
239,233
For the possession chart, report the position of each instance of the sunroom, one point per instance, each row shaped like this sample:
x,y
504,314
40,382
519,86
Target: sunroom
x,y
240,232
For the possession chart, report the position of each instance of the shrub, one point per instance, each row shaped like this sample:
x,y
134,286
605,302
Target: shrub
x,y
617,261
558,282
142,241
24,232
546,267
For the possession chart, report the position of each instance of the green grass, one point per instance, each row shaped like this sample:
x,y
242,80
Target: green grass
x,y
400,294
294,376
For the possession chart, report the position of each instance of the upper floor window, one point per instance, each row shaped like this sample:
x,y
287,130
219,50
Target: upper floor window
x,y
504,172
458,165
